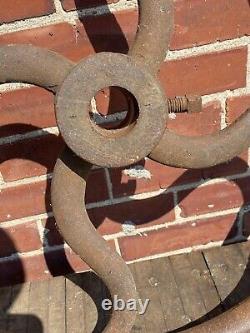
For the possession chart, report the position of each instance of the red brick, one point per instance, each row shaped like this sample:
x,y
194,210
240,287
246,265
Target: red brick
x,y
146,212
51,233
29,158
13,10
162,177
34,198
93,34
206,122
200,22
124,185
197,22
109,32
237,106
19,238
105,219
61,261
235,166
142,213
196,124
168,177
100,33
102,219
108,219
82,4
205,74
42,267
97,216
58,37
24,200
30,109
96,189
110,101
216,197
178,237
70,262
103,223
26,110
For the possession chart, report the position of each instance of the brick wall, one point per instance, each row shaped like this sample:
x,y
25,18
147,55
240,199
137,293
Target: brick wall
x,y
147,210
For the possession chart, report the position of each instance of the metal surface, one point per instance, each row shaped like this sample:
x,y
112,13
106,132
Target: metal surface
x,y
30,64
70,172
178,150
204,151
73,106
236,320
44,68
155,27
190,104
69,184
114,149
77,235
81,236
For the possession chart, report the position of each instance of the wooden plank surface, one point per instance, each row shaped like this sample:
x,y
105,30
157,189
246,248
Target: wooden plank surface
x,y
189,289
75,316
17,314
5,301
227,266
38,307
169,294
147,286
182,289
204,280
56,305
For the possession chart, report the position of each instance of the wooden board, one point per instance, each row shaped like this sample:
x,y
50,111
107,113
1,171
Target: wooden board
x,y
18,317
182,289
56,305
227,266
38,307
5,301
169,294
147,286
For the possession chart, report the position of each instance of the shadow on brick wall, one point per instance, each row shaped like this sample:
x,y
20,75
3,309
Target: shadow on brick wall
x,y
59,264
121,45
111,39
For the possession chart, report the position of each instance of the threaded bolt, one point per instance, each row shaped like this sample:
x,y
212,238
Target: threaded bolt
x,y
187,103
